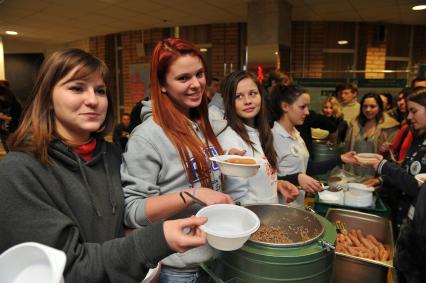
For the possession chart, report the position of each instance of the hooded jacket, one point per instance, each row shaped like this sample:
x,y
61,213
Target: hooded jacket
x,y
260,188
76,206
152,166
388,127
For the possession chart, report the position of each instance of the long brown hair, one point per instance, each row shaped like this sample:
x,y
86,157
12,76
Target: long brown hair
x,y
37,126
229,89
175,124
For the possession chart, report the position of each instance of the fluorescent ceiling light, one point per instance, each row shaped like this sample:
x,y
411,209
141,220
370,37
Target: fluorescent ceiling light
x,y
203,49
342,42
11,32
419,7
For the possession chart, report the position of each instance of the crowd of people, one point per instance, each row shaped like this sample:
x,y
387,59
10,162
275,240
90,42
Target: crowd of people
x,y
118,210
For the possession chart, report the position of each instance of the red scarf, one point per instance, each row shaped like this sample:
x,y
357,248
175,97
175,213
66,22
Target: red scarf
x,y
86,150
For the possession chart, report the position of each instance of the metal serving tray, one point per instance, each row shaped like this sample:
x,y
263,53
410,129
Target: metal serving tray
x,y
356,269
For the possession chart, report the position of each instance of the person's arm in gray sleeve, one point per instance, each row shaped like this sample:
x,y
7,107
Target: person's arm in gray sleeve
x,y
139,172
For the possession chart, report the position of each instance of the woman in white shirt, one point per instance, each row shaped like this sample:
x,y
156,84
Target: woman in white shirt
x,y
290,107
248,133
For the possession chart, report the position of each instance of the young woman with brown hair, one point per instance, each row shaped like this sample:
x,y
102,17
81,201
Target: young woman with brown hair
x,y
169,152
60,183
248,133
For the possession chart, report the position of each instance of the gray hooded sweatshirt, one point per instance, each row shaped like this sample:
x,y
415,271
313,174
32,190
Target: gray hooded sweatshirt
x,y
152,166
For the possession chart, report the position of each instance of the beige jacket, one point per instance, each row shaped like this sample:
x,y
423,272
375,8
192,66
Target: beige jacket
x,y
387,130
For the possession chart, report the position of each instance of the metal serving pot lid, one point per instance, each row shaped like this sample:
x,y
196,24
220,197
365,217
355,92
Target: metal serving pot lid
x,y
299,226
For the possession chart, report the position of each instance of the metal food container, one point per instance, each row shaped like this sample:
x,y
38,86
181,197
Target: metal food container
x,y
350,268
292,221
305,260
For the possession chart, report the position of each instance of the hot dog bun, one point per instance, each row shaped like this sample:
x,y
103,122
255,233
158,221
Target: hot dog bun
x,y
237,160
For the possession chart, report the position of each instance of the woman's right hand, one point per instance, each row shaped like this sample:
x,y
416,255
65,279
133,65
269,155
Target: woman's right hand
x,y
210,196
178,240
309,184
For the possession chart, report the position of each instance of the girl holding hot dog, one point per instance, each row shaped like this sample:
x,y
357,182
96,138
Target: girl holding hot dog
x,y
247,132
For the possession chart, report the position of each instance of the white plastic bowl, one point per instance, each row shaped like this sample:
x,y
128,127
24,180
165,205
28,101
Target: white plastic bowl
x,y
421,178
360,187
367,158
32,262
229,226
234,169
332,197
358,198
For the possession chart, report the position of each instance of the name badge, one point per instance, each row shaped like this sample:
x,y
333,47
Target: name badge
x,y
415,168
295,150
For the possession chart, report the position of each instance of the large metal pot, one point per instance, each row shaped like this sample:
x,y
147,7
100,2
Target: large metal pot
x,y
303,261
324,150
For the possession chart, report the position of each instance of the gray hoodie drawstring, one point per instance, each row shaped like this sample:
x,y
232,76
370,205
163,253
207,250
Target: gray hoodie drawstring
x,y
110,190
86,185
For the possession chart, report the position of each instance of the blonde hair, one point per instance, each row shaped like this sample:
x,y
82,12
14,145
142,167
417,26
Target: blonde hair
x,y
337,110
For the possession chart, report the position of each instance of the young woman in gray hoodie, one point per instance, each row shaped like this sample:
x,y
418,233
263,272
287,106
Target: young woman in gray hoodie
x,y
168,153
60,183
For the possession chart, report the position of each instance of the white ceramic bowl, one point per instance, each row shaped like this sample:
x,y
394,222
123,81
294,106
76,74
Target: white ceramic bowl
x,y
367,158
421,178
229,226
234,169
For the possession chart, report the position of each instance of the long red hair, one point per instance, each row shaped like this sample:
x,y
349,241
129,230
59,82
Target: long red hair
x,y
175,124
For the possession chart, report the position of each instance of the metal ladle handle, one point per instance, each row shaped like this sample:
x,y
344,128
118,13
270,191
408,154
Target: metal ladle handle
x,y
326,245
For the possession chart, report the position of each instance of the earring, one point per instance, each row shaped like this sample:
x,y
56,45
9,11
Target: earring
x,y
163,90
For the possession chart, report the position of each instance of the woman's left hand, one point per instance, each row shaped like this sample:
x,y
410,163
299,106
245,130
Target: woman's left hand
x,y
349,157
288,190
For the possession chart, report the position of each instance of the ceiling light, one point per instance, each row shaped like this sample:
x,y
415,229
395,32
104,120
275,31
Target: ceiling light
x,y
419,7
11,32
342,42
203,49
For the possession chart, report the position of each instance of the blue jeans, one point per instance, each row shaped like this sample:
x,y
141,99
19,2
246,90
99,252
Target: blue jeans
x,y
170,276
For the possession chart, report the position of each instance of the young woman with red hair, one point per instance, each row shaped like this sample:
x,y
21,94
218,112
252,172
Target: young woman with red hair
x,y
168,154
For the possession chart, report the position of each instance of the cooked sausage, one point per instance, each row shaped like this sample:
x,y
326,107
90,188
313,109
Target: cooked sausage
x,y
241,160
354,240
373,239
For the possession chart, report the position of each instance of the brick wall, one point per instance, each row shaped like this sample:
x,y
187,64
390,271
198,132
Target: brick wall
x,y
375,60
97,46
226,48
307,49
129,55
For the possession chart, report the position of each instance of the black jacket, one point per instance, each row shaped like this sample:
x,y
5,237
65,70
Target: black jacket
x,y
76,206
404,192
399,182
314,120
